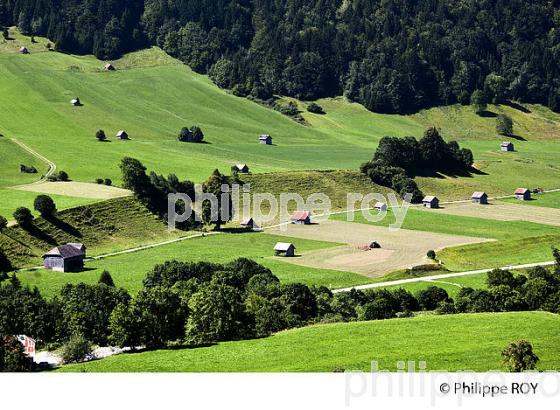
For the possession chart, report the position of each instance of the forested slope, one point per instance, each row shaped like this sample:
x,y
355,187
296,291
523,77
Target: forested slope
x,y
391,56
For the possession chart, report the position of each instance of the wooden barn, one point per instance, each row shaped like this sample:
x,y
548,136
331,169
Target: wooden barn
x,y
241,168
285,249
109,67
23,50
265,139
301,218
249,223
75,102
523,194
431,202
65,258
479,198
380,206
122,135
507,146
28,345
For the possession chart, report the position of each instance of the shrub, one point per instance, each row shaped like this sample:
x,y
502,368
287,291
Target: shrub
x,y
99,181
45,205
76,349
62,176
519,356
100,135
23,216
193,134
431,254
108,182
106,279
24,169
315,108
504,125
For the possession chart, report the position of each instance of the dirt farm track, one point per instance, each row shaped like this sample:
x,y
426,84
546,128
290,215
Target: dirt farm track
x,y
400,249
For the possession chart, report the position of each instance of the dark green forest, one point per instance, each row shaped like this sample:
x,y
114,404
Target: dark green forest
x,y
389,55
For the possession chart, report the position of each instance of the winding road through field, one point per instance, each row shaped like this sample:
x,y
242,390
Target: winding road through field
x,y
52,165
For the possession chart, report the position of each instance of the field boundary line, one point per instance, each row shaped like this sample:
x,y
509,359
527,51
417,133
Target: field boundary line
x,y
52,165
437,277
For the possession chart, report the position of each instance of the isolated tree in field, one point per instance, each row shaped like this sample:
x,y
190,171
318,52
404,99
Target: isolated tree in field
x,y
315,108
478,102
193,134
100,135
106,279
519,356
23,216
431,254
45,205
3,223
197,134
504,125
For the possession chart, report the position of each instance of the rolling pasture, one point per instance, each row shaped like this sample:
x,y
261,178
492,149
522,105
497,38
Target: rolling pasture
x,y
129,270
470,342
152,96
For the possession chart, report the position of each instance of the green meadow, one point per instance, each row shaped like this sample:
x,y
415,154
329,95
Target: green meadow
x,y
434,221
129,270
152,96
10,199
547,200
470,342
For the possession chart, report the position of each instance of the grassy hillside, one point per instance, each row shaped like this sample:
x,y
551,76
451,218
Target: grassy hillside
x,y
547,200
434,221
453,343
152,96
129,270
103,227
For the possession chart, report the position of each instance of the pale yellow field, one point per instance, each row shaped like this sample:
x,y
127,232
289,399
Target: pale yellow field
x,y
400,249
76,189
504,211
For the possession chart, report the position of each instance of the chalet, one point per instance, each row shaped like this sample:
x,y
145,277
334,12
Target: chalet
x,y
265,139
380,206
301,218
249,223
28,345
65,258
479,198
241,168
285,249
109,67
75,102
122,135
431,202
507,146
23,50
523,194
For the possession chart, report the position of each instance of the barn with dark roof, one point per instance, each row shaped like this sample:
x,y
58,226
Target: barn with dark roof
x,y
65,258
